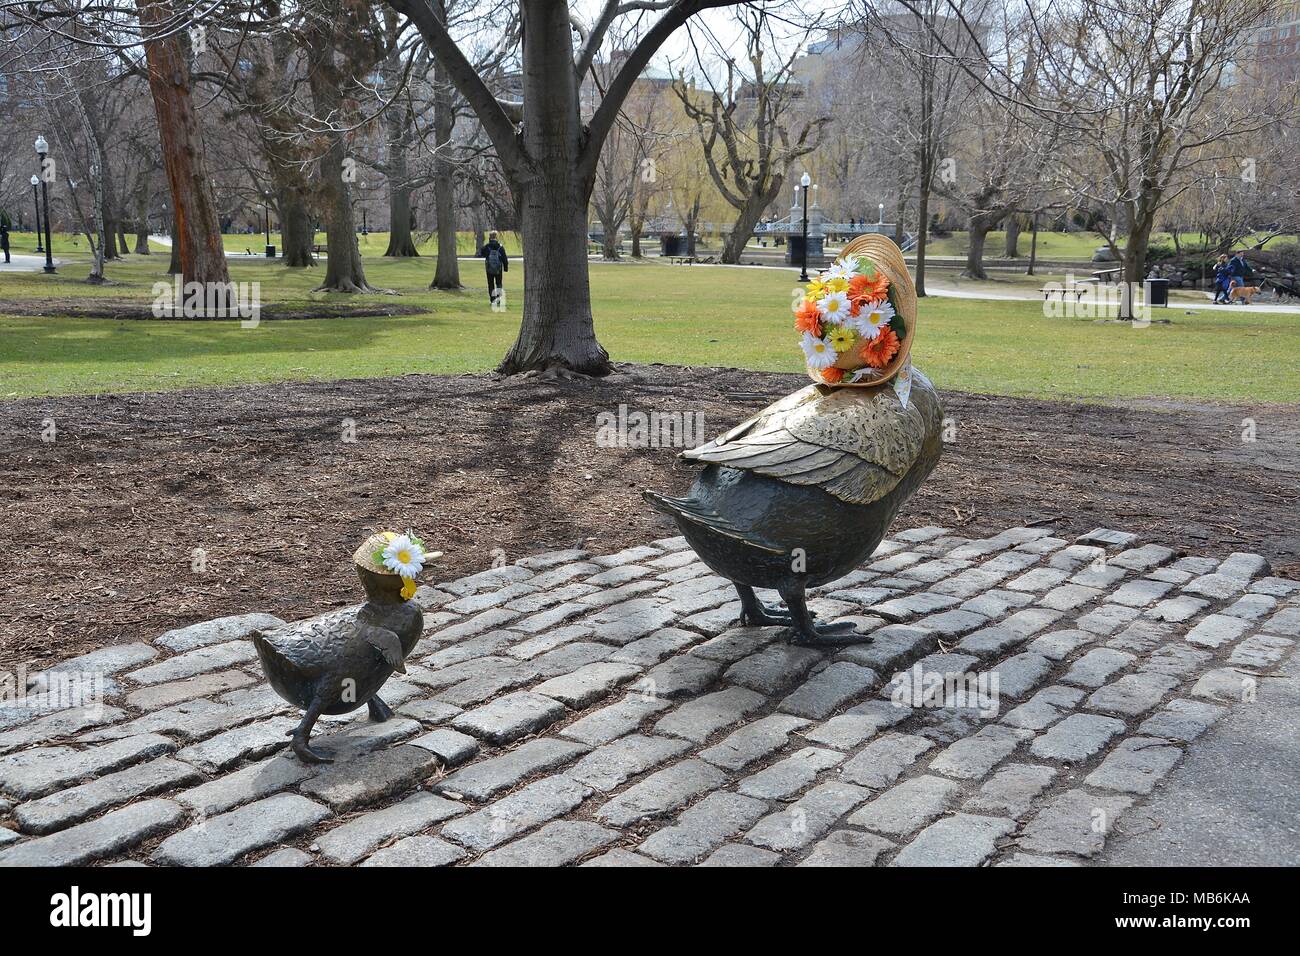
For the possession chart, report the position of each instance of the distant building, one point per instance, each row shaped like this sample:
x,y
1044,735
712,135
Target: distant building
x,y
1277,41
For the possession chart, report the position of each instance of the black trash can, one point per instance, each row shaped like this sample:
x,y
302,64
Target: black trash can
x,y
671,244
270,252
1157,292
794,252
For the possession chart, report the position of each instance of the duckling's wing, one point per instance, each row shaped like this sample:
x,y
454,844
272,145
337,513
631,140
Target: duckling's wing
x,y
386,644
855,444
308,644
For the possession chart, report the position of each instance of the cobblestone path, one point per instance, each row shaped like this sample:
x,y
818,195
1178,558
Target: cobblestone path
x,y
605,710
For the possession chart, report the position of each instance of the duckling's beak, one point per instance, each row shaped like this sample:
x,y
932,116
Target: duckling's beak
x,y
400,668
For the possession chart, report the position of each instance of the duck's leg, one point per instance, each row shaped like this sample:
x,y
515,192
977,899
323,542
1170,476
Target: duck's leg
x,y
753,611
303,732
379,711
807,631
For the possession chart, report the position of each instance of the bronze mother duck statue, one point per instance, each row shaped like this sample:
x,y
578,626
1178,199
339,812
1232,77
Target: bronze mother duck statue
x,y
803,492
334,663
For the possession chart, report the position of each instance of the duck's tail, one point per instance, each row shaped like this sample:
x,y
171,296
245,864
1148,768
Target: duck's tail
x,y
696,512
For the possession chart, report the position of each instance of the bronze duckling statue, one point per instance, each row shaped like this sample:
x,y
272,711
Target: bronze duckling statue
x,y
803,492
334,663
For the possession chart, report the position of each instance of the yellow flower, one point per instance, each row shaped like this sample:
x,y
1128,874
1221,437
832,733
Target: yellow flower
x,y
816,288
408,588
838,284
841,338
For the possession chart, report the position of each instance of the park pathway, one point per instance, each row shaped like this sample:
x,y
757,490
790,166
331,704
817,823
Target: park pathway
x,y
26,264
606,710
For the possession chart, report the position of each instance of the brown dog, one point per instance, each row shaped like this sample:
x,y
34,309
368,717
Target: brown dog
x,y
1244,292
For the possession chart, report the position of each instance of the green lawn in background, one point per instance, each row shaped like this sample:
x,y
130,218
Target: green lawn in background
x,y
648,312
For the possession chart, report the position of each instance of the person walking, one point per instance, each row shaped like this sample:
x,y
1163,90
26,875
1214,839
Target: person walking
x,y
1239,271
4,240
1222,279
497,263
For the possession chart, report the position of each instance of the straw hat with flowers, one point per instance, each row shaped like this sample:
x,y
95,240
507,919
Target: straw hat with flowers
x,y
857,318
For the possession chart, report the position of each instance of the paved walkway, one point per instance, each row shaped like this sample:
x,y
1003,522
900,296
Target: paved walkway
x,y
25,263
605,710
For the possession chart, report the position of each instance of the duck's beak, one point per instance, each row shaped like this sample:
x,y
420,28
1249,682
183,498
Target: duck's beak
x,y
400,668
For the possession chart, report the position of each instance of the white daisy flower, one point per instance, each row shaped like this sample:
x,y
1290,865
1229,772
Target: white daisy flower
x,y
404,557
819,352
871,319
835,306
843,268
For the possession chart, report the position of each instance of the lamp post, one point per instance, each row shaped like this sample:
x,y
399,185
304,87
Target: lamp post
x,y
881,220
36,201
364,230
805,181
266,209
42,148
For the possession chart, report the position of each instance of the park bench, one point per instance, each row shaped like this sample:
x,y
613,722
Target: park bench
x,y
1107,275
1077,291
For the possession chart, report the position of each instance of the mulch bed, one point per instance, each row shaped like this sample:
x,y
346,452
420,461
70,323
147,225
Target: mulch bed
x,y
101,526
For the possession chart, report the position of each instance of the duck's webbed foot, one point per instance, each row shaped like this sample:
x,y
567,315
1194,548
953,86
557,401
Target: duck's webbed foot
x,y
806,631
302,733
755,612
379,711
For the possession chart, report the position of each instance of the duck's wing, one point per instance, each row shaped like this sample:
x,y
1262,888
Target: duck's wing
x,y
700,512
385,643
308,644
853,443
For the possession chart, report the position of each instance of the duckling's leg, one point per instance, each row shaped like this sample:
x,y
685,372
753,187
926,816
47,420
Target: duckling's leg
x,y
379,711
753,611
303,732
808,631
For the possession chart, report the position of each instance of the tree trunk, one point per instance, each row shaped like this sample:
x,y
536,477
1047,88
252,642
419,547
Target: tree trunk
x,y
400,243
557,330
1013,236
979,230
174,265
609,243
635,229
1033,247
344,271
755,204
297,231
446,274
922,232
198,233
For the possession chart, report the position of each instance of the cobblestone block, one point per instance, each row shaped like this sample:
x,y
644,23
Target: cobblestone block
x,y
737,643
1285,622
536,601
884,760
612,765
482,623
1181,719
774,669
1107,538
1243,565
482,600
1251,607
627,556
661,793
1140,593
370,778
650,650
488,580
1261,651
451,747
210,658
704,827
702,717
521,811
359,837
569,657
1075,822
61,723
1226,684
1020,674
1058,645
715,621
615,720
631,627
1099,576
1217,630
587,684
1136,765
1175,660
973,757
848,848
795,773
473,648
250,742
1097,666
428,712
907,806
551,559
1069,596
753,742
1142,637
1218,586
1076,556
613,577
996,602
738,854
249,783
34,773
238,627
1038,579
891,647
203,685
1045,708
959,840
66,807
223,839
484,779
621,857
1147,556
115,832
1076,738
1278,587
829,689
1132,694
556,844
1011,791
903,609
807,818
417,852
284,857
952,623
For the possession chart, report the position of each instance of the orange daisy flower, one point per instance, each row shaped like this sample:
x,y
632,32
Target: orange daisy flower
x,y
832,375
807,318
879,351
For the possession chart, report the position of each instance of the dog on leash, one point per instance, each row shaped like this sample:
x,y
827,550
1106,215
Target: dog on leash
x,y
1243,293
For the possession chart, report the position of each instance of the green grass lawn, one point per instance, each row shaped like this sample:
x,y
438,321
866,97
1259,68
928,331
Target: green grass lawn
x,y
1055,245
644,313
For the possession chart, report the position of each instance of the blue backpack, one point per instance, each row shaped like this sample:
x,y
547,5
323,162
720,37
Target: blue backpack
x,y
494,260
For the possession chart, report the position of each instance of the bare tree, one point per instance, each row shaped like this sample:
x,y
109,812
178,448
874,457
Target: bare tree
x,y
749,129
